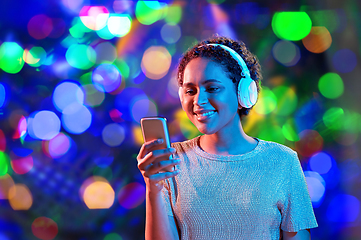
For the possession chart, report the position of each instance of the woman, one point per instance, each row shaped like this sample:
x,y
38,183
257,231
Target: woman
x,y
227,185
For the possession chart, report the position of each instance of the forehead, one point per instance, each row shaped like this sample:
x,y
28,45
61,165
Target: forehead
x,y
202,69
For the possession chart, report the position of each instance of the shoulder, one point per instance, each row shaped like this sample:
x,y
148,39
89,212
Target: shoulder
x,y
185,145
276,149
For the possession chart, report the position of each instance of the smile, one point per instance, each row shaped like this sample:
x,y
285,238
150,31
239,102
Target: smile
x,y
205,116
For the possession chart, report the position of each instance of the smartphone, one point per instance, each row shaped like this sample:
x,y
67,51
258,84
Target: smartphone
x,y
156,128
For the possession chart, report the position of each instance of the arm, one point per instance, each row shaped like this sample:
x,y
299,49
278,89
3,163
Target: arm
x,y
158,224
300,235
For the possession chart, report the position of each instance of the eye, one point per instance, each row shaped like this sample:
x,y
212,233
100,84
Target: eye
x,y
189,91
213,89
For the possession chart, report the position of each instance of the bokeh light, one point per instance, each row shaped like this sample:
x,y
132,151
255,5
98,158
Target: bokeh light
x,y
333,118
331,85
143,107
343,208
105,52
2,141
316,187
67,93
106,77
20,197
11,57
93,97
291,26
318,40
58,146
44,125
97,193
22,165
271,132
6,182
156,62
44,228
40,26
80,56
113,236
76,118
149,12
2,95
320,162
4,163
35,57
113,134
119,25
344,60
94,17
170,33
286,100
174,14
289,131
286,53
131,195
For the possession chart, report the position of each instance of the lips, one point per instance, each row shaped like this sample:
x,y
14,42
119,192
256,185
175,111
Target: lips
x,y
204,114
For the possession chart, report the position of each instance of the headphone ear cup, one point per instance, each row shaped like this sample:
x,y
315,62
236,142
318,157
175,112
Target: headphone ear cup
x,y
247,92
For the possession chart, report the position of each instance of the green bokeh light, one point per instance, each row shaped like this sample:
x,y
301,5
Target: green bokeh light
x,y
112,236
289,131
78,28
352,121
123,67
215,1
286,100
267,101
11,57
80,56
4,163
327,18
272,132
174,15
148,12
37,53
291,26
331,85
333,118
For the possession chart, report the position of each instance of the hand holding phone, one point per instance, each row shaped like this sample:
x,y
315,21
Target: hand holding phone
x,y
156,128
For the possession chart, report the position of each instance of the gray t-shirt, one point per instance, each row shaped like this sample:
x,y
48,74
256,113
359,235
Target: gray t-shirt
x,y
248,196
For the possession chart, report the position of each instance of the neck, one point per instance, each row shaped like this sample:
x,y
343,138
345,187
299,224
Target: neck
x,y
228,143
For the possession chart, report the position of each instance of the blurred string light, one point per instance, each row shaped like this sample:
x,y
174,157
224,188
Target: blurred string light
x,y
149,12
6,183
292,26
131,195
320,162
343,208
105,52
170,33
113,134
40,26
310,142
267,101
344,60
57,146
20,197
97,193
43,125
156,62
11,57
44,228
106,77
22,165
286,53
331,85
316,187
318,40
80,56
286,100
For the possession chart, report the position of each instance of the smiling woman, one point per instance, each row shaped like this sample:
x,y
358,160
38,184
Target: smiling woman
x,y
227,185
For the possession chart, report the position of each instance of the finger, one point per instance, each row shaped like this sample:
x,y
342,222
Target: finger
x,y
152,156
162,176
146,146
160,166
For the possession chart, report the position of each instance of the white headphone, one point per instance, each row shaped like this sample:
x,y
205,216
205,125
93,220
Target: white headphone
x,y
247,88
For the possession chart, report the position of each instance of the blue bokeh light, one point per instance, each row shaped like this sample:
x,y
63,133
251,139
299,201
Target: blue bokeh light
x,y
2,95
344,60
320,162
316,187
76,118
67,93
106,77
343,208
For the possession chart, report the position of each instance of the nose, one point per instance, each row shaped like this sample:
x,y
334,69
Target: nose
x,y
200,98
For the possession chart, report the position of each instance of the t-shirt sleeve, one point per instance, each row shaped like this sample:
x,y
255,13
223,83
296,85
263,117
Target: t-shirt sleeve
x,y
167,193
296,208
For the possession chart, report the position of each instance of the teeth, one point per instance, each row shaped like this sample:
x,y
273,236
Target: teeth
x,y
206,114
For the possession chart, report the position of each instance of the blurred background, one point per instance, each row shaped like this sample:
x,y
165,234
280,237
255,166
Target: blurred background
x,y
76,76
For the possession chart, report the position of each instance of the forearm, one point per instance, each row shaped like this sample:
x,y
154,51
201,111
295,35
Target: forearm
x,y
157,225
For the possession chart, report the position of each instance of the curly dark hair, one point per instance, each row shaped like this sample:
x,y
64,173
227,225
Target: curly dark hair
x,y
229,64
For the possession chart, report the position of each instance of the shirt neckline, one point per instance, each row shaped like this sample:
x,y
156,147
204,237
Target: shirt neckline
x,y
226,158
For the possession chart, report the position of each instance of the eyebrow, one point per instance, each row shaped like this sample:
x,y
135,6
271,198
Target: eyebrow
x,y
204,82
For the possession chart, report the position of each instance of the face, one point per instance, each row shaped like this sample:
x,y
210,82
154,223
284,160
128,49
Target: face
x,y
209,98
